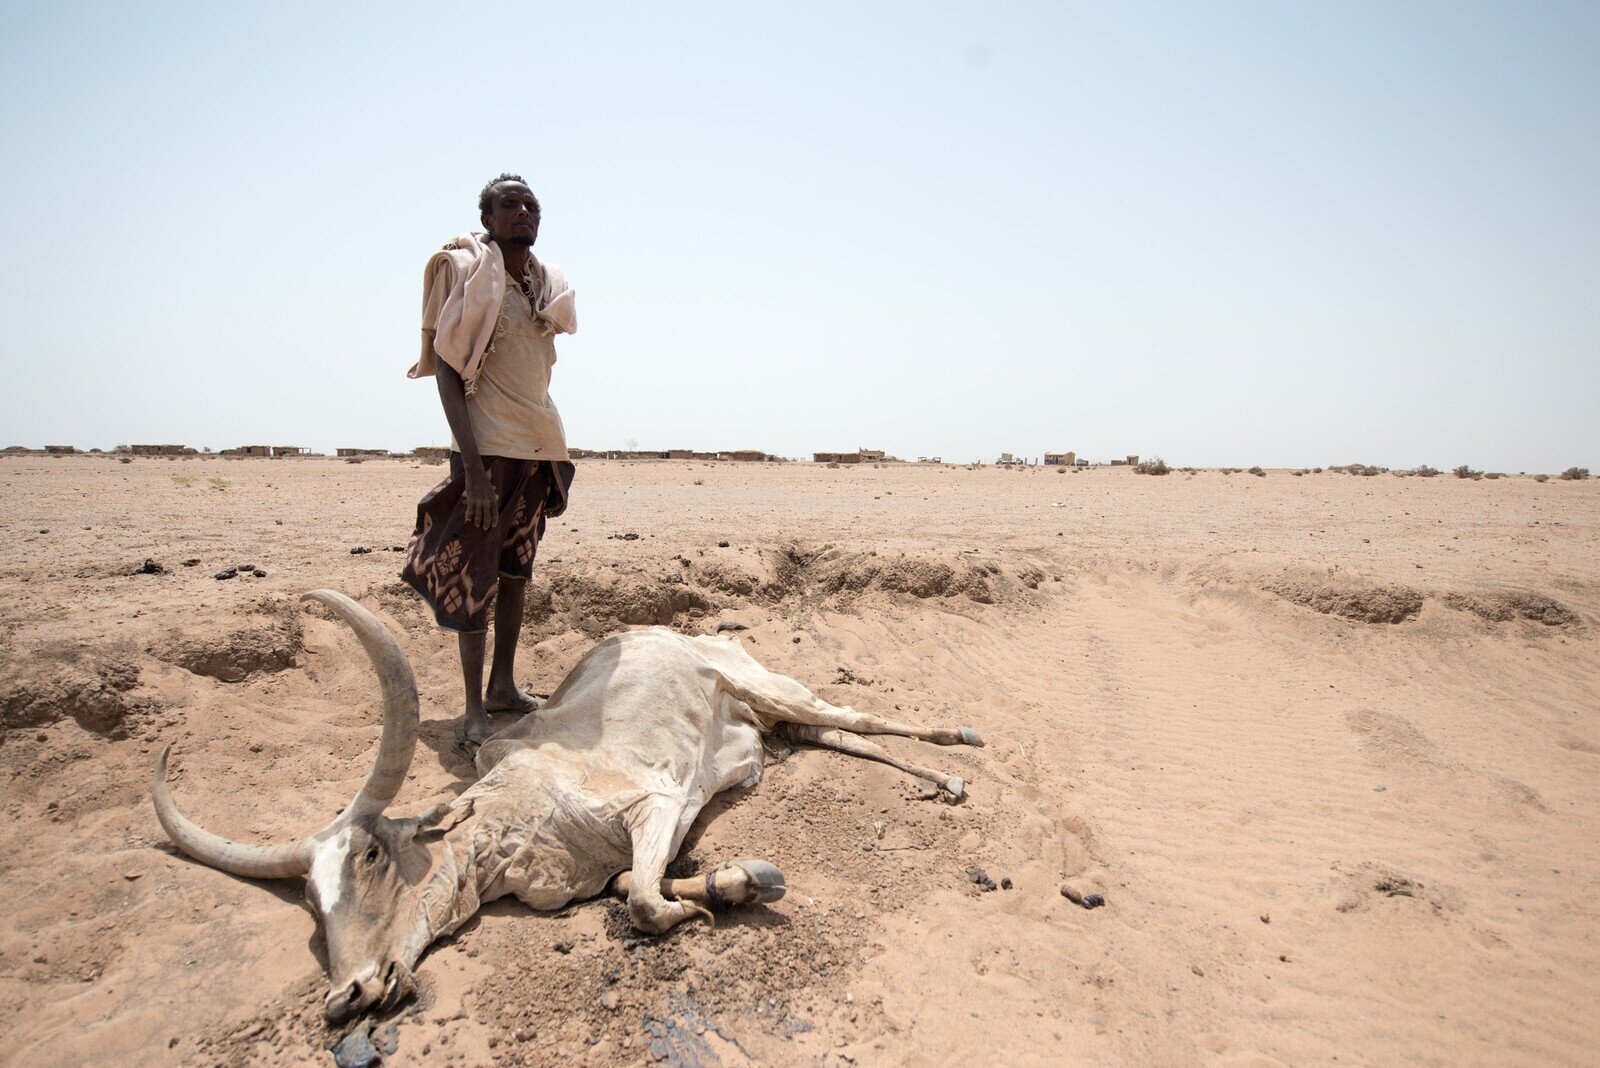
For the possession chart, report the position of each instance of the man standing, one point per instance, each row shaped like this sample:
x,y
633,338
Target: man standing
x,y
490,313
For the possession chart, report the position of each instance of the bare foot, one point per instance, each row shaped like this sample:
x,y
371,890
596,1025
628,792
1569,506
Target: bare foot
x,y
475,729
520,701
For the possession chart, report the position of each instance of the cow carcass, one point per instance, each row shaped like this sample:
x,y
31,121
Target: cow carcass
x,y
597,789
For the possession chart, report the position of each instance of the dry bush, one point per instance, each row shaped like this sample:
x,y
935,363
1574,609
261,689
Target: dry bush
x,y
1256,470
1153,466
1316,470
1494,474
1574,474
1425,471
1466,472
1230,470
1541,478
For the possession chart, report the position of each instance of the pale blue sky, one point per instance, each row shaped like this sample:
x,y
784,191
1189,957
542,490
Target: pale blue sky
x,y
1225,233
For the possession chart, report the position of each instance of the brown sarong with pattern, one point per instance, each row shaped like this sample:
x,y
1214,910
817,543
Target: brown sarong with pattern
x,y
456,566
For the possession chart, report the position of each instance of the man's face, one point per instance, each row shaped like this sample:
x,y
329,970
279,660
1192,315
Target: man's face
x,y
513,216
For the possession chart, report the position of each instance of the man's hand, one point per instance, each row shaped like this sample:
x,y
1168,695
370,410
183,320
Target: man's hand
x,y
483,508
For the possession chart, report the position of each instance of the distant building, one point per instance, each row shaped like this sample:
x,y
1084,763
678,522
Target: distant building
x,y
61,450
870,455
745,455
1133,461
290,450
1060,459
249,450
836,457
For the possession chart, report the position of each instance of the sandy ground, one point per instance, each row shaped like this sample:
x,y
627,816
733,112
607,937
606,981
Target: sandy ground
x,y
1328,746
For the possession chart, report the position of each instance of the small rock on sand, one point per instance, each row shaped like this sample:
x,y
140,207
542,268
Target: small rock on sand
x,y
226,573
1077,896
355,1051
981,879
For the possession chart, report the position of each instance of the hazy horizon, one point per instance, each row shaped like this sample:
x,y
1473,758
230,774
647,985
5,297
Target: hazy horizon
x,y
1228,235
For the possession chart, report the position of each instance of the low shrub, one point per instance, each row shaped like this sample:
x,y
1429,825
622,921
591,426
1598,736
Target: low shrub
x,y
1466,472
1256,470
1153,466
1425,471
1541,478
1574,474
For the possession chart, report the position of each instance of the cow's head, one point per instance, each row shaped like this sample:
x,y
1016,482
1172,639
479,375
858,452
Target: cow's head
x,y
366,883
365,873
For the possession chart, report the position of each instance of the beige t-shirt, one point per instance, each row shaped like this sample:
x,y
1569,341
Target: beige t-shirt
x,y
511,410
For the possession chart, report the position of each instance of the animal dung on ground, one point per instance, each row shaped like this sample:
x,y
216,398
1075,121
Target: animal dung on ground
x,y
1078,897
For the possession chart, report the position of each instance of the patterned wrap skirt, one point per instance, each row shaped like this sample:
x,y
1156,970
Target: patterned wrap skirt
x,y
456,566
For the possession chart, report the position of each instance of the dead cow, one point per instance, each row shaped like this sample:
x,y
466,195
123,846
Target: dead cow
x,y
597,788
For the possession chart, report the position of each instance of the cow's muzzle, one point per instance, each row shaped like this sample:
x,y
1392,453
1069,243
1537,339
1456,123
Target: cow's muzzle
x,y
372,989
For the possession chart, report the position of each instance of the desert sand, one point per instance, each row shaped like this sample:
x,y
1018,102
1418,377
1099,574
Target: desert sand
x,y
1327,745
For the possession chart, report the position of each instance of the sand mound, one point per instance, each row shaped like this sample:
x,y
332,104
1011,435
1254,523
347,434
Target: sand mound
x,y
844,576
599,602
56,683
236,656
1350,599
1505,606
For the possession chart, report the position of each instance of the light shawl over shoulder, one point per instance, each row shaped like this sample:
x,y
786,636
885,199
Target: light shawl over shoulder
x,y
464,286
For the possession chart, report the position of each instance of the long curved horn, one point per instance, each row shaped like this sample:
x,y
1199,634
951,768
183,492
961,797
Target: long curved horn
x,y
399,709
388,773
251,861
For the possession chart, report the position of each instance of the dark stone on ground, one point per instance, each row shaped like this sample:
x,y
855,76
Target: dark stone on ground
x,y
226,573
258,573
355,1051
1078,897
192,561
981,879
359,550
1005,883
730,626
149,567
722,545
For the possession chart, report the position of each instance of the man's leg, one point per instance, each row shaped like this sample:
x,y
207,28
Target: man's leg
x,y
503,695
475,728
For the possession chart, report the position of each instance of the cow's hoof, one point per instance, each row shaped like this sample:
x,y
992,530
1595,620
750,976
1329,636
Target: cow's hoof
x,y
955,789
763,881
970,737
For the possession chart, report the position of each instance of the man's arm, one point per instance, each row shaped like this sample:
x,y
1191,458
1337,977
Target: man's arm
x,y
482,505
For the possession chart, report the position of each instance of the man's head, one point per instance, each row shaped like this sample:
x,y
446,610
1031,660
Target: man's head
x,y
509,210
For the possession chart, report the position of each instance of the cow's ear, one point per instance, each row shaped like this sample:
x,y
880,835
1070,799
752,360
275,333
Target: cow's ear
x,y
433,823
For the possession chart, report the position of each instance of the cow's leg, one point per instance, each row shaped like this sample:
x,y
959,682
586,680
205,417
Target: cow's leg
x,y
845,742
784,699
653,829
738,882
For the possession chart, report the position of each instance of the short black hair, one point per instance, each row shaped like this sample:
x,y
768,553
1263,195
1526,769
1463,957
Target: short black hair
x,y
485,193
